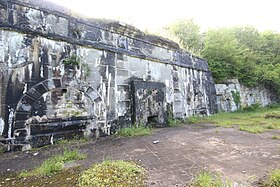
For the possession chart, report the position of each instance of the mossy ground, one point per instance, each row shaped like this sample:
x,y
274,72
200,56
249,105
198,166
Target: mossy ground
x,y
64,178
255,120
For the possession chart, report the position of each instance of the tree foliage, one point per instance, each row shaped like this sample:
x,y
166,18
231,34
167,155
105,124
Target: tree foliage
x,y
188,34
240,52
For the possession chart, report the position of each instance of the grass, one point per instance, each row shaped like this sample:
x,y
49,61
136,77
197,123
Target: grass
x,y
135,131
173,122
255,129
275,137
113,173
205,179
2,149
252,120
54,164
273,179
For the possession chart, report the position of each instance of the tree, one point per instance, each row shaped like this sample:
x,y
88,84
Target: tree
x,y
239,52
222,52
247,36
188,34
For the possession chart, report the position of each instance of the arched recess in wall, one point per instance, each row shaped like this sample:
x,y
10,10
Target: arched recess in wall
x,y
54,102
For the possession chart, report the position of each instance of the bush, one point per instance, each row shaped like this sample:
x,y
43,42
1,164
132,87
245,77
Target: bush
x,y
113,173
273,179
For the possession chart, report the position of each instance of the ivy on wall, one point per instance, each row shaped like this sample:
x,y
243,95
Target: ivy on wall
x,y
236,98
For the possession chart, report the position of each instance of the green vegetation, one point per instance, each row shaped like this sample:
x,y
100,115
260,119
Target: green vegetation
x,y
205,179
255,129
54,164
276,137
273,179
113,173
135,131
240,52
187,34
2,149
236,98
86,69
173,122
72,60
252,119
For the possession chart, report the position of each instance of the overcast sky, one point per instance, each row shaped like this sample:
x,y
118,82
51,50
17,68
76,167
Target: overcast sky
x,y
154,14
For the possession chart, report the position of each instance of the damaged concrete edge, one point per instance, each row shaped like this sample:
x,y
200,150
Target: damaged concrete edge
x,y
105,24
114,27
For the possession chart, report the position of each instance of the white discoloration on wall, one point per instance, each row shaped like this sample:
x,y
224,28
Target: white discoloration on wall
x,y
30,66
25,88
10,122
2,45
12,43
2,124
117,56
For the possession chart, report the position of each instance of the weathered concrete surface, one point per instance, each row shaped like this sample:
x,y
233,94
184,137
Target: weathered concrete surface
x,y
179,155
227,93
43,99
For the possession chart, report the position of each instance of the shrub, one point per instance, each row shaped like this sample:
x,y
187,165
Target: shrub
x,y
72,60
273,179
113,173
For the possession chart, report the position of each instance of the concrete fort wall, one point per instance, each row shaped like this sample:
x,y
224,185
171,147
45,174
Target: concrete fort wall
x,y
231,96
64,76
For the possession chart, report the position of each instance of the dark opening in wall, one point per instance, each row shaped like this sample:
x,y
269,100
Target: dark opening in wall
x,y
153,120
64,90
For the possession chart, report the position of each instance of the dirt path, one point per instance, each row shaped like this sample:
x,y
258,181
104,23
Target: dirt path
x,y
177,155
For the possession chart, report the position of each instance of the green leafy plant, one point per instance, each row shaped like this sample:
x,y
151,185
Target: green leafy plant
x,y
72,60
236,98
54,164
188,34
273,179
113,173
